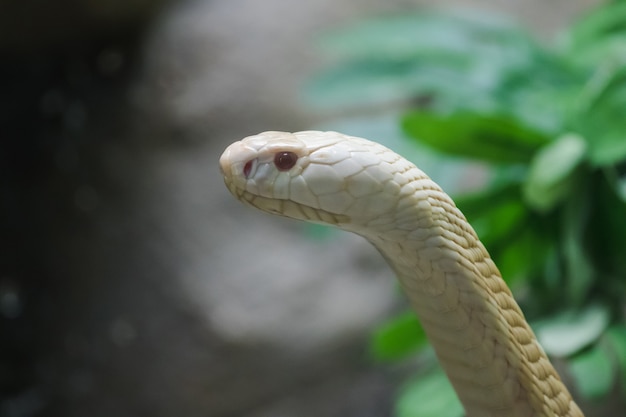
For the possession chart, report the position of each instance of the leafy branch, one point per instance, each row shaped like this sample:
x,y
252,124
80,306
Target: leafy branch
x,y
548,126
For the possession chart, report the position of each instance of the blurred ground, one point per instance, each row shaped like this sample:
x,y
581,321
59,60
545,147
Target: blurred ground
x,y
131,282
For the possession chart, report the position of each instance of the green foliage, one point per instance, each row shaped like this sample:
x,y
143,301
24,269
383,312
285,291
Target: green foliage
x,y
493,138
571,331
398,338
616,337
593,370
550,173
548,126
429,395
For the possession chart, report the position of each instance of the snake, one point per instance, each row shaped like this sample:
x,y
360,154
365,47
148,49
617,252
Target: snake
x,y
478,331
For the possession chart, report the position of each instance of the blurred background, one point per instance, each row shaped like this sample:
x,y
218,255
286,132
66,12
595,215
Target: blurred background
x,y
131,282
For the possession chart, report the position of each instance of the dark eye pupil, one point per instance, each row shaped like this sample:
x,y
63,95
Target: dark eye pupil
x,y
285,160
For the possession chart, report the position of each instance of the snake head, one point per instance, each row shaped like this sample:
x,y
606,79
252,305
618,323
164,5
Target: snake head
x,y
321,177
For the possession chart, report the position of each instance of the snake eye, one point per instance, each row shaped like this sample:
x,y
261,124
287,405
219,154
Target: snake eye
x,y
284,161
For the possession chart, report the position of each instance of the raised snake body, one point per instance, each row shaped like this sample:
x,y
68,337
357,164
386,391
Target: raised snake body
x,y
479,333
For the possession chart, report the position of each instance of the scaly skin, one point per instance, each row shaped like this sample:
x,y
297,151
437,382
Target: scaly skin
x,y
478,331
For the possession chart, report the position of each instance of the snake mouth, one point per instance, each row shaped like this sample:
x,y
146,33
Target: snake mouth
x,y
289,208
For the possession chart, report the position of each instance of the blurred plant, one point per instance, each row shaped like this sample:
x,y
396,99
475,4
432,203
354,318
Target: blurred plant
x,y
550,126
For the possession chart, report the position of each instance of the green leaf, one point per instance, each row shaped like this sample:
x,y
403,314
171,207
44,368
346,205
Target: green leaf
x,y
478,204
540,97
399,338
609,148
524,256
616,337
605,230
495,213
444,82
428,33
493,138
593,373
620,189
607,21
550,177
601,112
374,81
429,395
599,109
579,269
609,50
518,243
571,331
451,60
618,183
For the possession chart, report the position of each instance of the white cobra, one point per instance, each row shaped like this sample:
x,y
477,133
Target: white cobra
x,y
486,347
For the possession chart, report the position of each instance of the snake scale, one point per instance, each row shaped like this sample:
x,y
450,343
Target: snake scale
x,y
480,336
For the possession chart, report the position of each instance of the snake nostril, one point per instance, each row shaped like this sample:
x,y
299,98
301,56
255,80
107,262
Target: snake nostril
x,y
247,168
285,160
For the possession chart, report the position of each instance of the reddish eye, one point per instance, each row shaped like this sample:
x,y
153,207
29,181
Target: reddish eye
x,y
247,168
284,161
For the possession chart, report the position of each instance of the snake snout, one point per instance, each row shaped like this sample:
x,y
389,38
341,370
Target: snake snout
x,y
237,164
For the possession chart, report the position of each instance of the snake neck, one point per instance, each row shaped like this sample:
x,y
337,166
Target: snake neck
x,y
477,329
